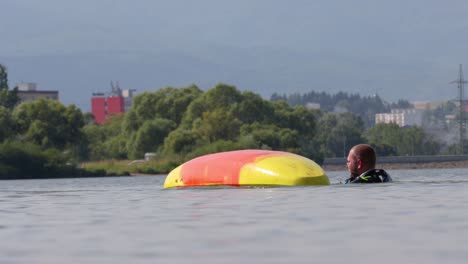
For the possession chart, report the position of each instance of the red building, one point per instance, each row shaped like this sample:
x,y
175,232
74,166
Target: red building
x,y
117,101
104,106
98,108
115,105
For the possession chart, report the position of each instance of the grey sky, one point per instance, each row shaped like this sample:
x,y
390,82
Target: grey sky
x,y
389,47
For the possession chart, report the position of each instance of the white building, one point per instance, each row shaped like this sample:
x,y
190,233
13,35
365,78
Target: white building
x,y
312,106
401,117
128,98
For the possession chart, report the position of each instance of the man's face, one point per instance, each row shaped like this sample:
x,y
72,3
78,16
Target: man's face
x,y
353,164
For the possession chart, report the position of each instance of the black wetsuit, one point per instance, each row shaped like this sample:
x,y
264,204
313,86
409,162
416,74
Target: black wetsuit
x,y
371,176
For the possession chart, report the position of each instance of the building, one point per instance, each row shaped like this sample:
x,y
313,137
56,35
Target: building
x,y
28,92
312,106
426,105
117,101
401,117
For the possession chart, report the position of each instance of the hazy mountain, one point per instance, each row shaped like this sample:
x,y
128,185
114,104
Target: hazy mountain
x,y
398,49
264,71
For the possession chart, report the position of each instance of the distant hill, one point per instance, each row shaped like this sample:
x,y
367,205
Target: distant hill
x,y
262,70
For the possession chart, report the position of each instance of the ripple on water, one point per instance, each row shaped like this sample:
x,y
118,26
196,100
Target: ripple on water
x,y
419,218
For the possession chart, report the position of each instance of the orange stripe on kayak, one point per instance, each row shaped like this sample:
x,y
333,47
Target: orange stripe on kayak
x,y
221,168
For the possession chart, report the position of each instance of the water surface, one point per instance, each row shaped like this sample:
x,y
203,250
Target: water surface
x,y
419,218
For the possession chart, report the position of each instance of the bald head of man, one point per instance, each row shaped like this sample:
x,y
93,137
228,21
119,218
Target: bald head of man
x,y
361,158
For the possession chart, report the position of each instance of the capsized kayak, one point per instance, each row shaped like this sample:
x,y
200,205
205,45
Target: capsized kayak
x,y
248,168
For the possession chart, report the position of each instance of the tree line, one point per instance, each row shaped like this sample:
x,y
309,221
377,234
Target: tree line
x,y
182,123
363,106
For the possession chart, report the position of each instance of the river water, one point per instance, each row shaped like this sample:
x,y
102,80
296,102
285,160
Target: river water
x,y
422,217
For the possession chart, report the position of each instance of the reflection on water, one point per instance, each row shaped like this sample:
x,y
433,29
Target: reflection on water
x,y
419,218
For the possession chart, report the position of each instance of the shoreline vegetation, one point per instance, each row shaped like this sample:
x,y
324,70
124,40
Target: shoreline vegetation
x,y
46,139
118,168
129,167
122,167
407,166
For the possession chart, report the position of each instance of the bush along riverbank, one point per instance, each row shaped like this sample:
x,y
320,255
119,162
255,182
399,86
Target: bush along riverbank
x,y
135,167
20,160
29,161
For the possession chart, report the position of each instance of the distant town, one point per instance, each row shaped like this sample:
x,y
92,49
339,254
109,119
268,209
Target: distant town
x,y
117,100
425,114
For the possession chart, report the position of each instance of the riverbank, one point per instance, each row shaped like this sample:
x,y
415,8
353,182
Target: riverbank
x,y
406,166
132,168
164,166
405,162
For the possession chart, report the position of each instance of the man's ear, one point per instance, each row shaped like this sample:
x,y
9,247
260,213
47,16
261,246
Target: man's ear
x,y
359,162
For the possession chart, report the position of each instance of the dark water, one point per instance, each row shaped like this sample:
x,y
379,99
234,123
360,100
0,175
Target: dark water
x,y
422,217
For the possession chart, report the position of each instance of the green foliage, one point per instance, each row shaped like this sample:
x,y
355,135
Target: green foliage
x,y
213,147
108,167
225,119
297,118
8,98
48,123
272,137
27,160
104,141
402,141
180,124
454,149
337,133
401,104
3,78
180,141
436,119
383,149
160,165
153,116
363,106
219,124
149,137
222,97
252,108
168,103
7,124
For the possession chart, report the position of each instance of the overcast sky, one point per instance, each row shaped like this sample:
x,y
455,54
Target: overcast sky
x,y
361,45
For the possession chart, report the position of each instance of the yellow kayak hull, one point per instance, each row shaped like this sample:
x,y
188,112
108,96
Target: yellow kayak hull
x,y
248,168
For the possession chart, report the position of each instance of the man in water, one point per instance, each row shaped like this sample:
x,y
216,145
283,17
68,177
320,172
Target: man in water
x,y
361,166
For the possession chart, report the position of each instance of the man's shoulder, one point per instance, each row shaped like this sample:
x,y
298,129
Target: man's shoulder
x,y
373,176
